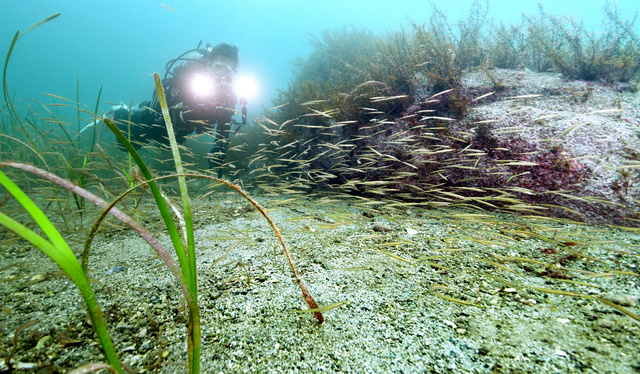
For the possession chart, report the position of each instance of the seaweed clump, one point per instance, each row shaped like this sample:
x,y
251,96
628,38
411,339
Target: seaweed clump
x,y
564,44
391,115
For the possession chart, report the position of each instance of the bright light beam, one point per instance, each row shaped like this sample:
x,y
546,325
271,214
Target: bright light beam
x,y
201,85
246,87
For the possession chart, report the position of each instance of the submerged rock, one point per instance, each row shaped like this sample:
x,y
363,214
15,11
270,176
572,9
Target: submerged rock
x,y
513,140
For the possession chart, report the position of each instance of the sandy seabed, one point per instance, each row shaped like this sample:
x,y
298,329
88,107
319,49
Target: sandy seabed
x,y
441,291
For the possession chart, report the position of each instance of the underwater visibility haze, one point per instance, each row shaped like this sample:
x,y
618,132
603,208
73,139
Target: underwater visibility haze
x,y
450,186
120,44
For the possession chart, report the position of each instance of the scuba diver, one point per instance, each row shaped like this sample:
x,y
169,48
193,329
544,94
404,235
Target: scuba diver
x,y
200,95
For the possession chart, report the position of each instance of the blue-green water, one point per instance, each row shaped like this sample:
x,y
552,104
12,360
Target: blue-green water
x,y
119,44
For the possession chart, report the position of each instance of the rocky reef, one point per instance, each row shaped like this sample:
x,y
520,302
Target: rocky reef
x,y
537,118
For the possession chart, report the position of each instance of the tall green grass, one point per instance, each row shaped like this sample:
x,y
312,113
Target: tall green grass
x,y
78,165
184,271
59,251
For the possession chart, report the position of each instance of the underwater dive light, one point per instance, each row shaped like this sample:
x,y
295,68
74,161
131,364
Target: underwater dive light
x,y
201,85
246,87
